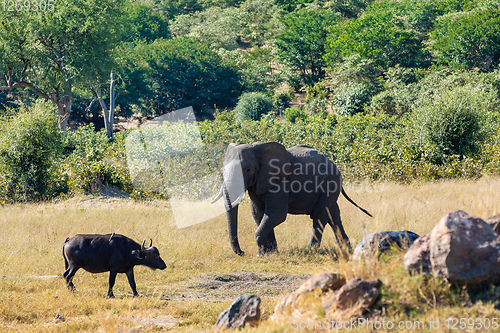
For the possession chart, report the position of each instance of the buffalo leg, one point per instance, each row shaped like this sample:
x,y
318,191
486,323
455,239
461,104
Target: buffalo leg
x,y
131,281
112,278
68,275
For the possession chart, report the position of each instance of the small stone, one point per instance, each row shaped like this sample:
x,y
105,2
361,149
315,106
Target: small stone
x,y
353,298
244,310
324,281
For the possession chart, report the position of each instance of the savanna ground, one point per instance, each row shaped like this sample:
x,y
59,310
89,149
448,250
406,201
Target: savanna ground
x,y
203,275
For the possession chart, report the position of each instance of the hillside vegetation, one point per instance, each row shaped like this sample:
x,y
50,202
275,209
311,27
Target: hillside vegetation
x,y
389,90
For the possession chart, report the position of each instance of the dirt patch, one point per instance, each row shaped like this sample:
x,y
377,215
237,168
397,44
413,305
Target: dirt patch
x,y
219,287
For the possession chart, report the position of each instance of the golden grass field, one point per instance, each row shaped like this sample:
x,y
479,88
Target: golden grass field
x,y
31,238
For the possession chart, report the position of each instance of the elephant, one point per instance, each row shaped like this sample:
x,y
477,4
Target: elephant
x,y
280,181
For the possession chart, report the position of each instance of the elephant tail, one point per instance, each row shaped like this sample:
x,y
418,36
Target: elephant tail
x,y
350,200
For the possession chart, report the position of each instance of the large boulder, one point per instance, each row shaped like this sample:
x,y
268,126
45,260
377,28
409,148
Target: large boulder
x,y
461,248
352,299
245,310
380,242
322,281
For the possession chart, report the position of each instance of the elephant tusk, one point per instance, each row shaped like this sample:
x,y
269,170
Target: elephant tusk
x,y
218,196
237,201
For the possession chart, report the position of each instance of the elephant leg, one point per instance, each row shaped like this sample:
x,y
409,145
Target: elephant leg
x,y
272,218
270,244
336,224
317,232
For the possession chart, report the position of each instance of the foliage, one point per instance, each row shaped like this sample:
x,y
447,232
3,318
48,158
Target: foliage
x,y
226,27
454,121
469,39
171,161
143,24
50,52
294,114
254,67
353,84
380,36
178,73
215,26
94,162
30,146
302,44
252,106
172,8
419,15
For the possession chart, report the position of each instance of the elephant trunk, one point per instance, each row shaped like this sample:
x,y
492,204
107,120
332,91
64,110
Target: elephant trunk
x,y
232,226
232,221
232,190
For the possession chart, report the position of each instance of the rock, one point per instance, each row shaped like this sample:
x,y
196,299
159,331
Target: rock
x,y
461,248
417,257
353,298
244,310
324,281
464,249
380,242
59,318
494,223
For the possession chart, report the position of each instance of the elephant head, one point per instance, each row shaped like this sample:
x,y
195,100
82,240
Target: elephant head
x,y
249,167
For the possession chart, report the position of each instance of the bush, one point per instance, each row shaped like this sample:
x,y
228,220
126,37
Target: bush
x,y
352,100
252,106
94,161
30,146
453,121
294,114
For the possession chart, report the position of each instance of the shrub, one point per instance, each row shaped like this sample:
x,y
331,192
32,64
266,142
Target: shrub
x,y
453,121
252,106
94,161
352,100
30,145
294,114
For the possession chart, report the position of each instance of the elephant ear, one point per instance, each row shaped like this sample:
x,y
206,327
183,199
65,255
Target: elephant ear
x,y
275,165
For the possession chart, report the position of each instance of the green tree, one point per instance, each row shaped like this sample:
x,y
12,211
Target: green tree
x,y
30,144
145,24
469,39
176,73
380,36
302,45
66,46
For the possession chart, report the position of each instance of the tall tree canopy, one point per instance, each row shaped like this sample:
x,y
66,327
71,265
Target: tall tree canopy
x,y
469,39
377,35
175,73
302,45
52,51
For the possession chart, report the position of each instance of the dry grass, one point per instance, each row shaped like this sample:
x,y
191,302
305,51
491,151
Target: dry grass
x,y
32,236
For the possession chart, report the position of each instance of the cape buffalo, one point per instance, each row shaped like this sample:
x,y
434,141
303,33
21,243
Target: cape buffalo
x,y
112,253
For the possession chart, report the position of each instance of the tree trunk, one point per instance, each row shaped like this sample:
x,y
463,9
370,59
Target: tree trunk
x,y
64,110
108,115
